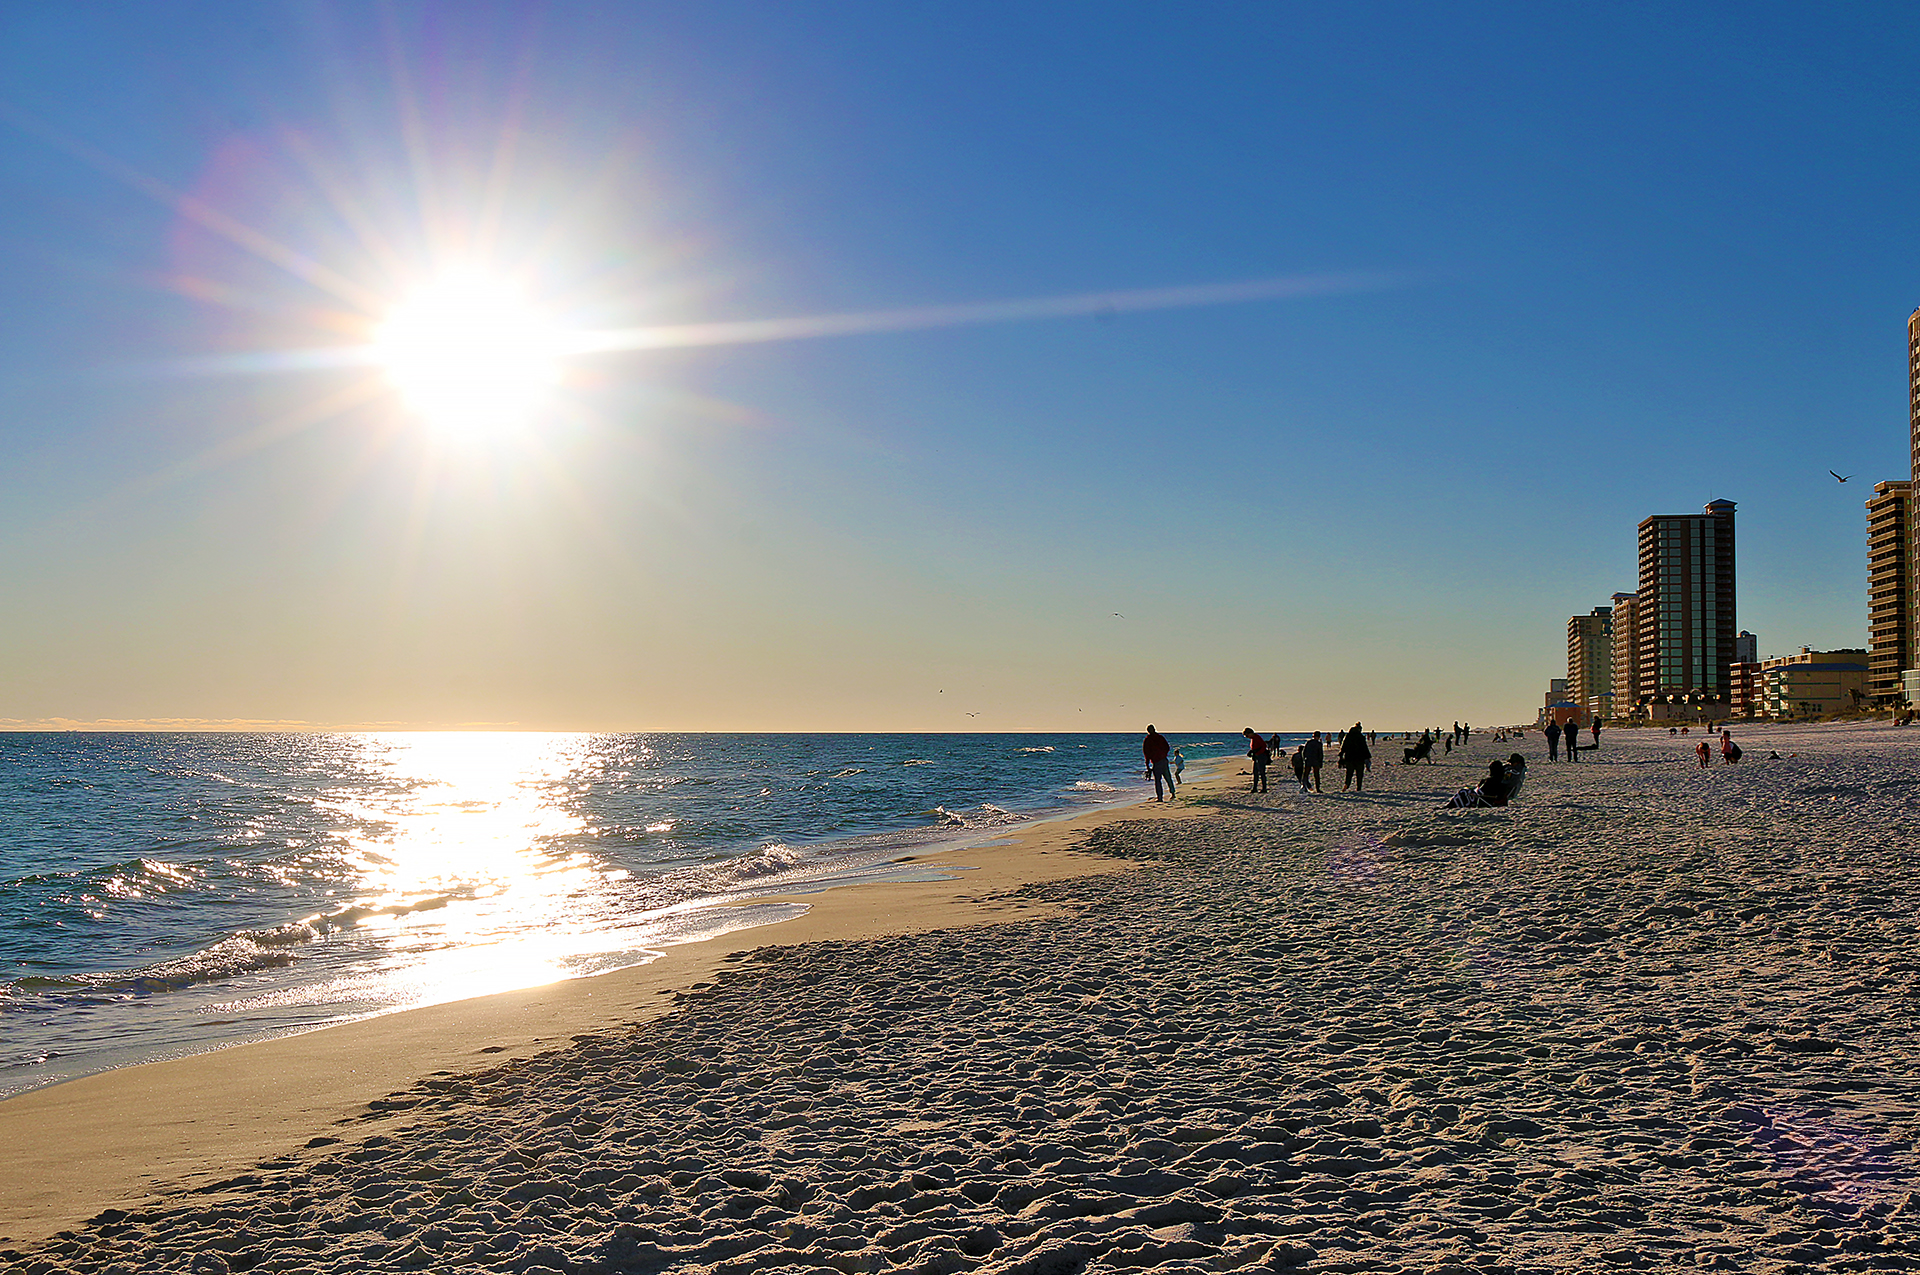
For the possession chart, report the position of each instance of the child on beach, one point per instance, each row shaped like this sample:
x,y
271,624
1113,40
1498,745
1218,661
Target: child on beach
x,y
1705,754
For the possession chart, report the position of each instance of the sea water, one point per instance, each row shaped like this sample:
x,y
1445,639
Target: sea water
x,y
165,894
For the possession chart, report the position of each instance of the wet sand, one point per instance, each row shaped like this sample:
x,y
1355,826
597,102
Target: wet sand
x,y
1651,1016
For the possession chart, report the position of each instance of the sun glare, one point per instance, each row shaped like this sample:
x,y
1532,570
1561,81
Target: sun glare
x,y
470,355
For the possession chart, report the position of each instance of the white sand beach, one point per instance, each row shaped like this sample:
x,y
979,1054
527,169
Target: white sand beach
x,y
1650,1016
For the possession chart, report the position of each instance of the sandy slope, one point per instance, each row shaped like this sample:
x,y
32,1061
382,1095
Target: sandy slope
x,y
1650,1017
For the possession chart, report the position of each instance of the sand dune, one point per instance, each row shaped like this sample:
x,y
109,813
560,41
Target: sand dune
x,y
1650,1017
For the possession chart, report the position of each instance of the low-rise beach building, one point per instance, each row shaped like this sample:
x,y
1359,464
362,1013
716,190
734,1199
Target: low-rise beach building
x,y
1813,682
1744,683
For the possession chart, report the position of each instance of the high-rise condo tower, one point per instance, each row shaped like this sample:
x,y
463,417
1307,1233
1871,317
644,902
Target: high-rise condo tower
x,y
1684,621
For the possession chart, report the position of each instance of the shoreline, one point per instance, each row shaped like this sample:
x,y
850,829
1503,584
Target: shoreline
x,y
1648,1016
114,1138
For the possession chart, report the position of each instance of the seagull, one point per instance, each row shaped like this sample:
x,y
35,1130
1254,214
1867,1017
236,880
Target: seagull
x,y
1118,616
1838,476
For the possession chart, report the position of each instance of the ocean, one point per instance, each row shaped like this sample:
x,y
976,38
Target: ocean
x,y
166,894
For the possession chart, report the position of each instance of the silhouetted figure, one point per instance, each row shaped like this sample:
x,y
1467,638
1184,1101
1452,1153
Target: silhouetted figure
x,y
1313,756
1596,732
1261,754
1572,740
1155,749
1422,751
1300,767
1355,757
1553,740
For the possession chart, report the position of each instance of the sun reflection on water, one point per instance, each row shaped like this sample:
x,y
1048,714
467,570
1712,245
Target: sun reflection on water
x,y
469,872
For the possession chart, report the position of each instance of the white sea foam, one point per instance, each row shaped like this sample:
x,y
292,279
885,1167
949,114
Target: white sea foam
x,y
986,815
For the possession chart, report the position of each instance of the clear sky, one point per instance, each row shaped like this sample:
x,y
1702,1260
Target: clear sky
x,y
1565,267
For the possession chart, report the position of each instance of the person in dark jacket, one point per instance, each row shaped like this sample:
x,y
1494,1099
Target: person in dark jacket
x,y
1553,740
1355,757
1155,749
1313,755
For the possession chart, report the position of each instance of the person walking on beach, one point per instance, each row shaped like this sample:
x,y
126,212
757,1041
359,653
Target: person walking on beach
x,y
1300,767
1261,754
1553,740
1596,732
1179,767
1572,740
1355,757
1155,749
1313,755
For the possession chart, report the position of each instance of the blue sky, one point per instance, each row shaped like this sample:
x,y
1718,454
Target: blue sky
x,y
1635,258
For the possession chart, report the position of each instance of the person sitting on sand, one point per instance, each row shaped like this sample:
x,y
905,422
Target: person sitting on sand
x,y
1500,786
1258,750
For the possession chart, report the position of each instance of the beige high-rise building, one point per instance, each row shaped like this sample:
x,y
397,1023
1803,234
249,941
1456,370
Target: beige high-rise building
x,y
1590,660
1626,646
1889,589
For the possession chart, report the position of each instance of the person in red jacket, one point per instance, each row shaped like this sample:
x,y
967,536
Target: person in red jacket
x,y
1155,749
1262,753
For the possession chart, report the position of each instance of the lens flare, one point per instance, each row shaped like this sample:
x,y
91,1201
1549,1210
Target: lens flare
x,y
470,355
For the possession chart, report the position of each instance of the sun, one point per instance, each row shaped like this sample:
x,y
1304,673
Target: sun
x,y
470,355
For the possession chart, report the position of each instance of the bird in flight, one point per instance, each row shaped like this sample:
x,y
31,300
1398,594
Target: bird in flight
x,y
1838,476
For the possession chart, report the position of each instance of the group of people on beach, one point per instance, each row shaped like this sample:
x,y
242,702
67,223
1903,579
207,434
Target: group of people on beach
x,y
1729,751
1571,732
1354,757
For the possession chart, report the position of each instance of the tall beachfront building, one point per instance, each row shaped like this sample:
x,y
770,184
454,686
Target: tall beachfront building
x,y
1910,677
1626,648
1890,637
1685,622
1590,660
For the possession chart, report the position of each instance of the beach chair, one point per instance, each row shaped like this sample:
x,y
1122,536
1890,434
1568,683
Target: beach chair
x,y
1423,749
1478,798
